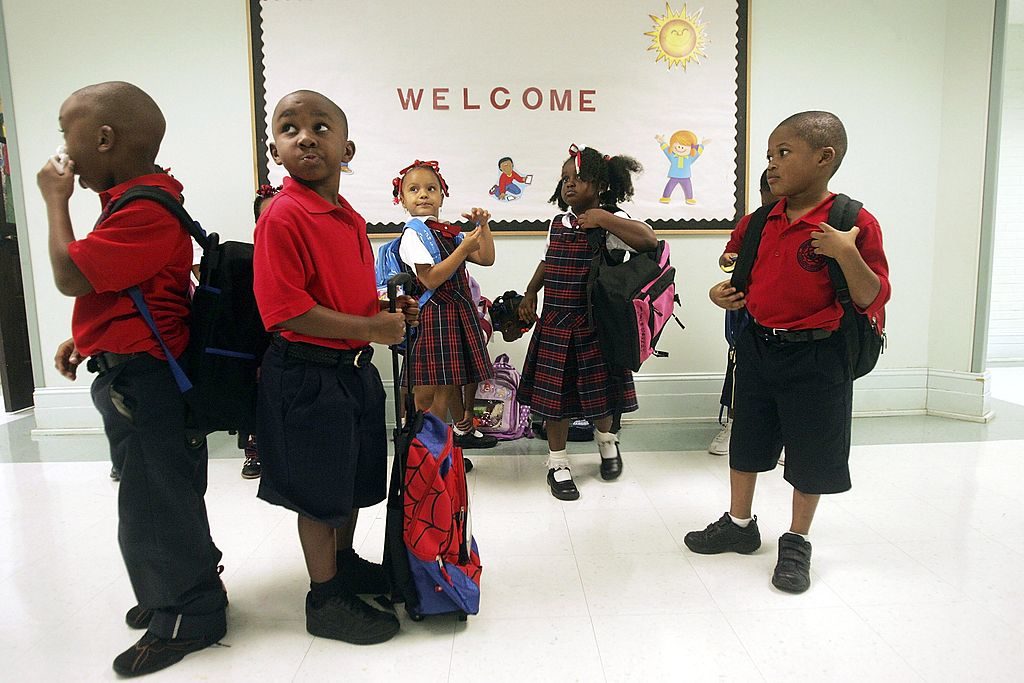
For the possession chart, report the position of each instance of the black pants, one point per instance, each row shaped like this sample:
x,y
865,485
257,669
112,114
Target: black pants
x,y
163,529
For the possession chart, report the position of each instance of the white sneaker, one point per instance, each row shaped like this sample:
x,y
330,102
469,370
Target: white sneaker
x,y
720,444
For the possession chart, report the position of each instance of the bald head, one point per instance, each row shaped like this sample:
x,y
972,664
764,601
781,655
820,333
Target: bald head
x,y
820,129
134,117
311,97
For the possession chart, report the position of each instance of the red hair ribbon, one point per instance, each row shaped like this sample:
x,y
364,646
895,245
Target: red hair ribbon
x,y
267,191
575,152
396,182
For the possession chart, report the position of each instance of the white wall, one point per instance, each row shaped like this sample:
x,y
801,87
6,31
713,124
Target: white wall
x,y
1006,319
909,79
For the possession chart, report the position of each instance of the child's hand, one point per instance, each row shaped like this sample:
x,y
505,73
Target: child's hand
x,y
724,295
387,328
67,359
479,217
528,308
471,242
55,185
592,218
705,141
832,242
660,139
727,261
410,308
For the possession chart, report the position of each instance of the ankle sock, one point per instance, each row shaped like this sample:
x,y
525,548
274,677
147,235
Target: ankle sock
x,y
803,536
741,523
606,442
559,461
323,591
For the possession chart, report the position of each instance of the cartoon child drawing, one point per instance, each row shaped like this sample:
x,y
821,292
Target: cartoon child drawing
x,y
682,150
345,169
510,184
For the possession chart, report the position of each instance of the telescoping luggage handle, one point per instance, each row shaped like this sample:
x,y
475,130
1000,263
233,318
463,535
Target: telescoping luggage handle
x,y
400,280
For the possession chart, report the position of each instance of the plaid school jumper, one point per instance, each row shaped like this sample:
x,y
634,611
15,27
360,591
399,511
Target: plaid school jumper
x,y
450,347
566,376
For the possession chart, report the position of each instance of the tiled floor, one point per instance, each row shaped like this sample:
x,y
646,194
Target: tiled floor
x,y
916,573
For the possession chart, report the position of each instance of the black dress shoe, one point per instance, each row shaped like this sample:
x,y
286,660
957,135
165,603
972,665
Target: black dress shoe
x,y
563,490
611,468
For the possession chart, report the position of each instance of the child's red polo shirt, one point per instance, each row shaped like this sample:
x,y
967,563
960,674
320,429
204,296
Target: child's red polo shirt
x,y
789,286
310,252
142,244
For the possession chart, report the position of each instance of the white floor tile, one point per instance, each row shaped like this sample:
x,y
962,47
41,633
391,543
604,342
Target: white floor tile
x,y
638,583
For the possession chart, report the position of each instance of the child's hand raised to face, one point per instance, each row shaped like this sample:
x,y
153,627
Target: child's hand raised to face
x,y
834,243
724,295
56,184
592,218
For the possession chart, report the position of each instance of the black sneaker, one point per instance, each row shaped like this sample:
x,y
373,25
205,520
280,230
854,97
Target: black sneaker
x,y
563,490
793,570
115,473
152,653
361,576
251,467
138,618
725,536
467,464
475,439
347,618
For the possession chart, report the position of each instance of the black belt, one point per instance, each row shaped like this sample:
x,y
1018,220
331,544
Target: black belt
x,y
322,355
105,361
774,334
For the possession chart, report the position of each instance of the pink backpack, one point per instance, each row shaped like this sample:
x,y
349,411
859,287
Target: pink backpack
x,y
496,410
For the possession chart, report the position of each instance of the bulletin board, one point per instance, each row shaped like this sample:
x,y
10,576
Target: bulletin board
x,y
497,91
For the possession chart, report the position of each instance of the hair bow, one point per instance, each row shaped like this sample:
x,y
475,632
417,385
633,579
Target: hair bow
x,y
267,191
575,152
396,182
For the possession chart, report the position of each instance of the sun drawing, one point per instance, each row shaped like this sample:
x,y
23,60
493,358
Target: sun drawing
x,y
678,38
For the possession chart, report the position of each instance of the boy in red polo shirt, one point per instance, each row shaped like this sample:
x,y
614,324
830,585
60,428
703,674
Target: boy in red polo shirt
x,y
112,132
322,439
793,385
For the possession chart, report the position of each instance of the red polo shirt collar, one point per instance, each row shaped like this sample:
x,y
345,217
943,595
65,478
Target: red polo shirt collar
x,y
310,201
164,181
819,214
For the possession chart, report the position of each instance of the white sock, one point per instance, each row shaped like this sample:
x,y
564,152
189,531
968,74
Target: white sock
x,y
606,443
803,536
741,523
458,432
559,460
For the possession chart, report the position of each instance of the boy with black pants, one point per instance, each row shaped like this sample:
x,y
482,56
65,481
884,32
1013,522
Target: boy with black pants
x,y
112,132
322,437
794,386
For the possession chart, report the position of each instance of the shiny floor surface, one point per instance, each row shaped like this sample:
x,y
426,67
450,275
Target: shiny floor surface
x,y
916,572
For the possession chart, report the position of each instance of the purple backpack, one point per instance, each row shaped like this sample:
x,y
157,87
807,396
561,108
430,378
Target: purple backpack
x,y
496,410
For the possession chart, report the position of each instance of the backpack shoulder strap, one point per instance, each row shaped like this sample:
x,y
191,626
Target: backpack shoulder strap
x,y
426,236
842,216
165,200
748,248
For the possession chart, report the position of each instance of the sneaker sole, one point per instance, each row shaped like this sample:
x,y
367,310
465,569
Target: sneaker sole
x,y
744,550
251,476
362,639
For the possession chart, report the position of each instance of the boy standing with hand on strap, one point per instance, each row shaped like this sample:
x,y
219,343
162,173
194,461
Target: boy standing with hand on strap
x,y
112,132
793,377
322,439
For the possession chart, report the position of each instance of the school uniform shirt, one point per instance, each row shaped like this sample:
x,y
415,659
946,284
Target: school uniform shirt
x,y
309,252
789,287
450,348
141,244
565,374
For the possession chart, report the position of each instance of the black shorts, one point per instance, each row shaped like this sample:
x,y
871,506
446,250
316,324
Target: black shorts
x,y
322,437
797,395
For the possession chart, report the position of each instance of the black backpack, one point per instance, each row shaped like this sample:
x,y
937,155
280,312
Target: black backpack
x,y
864,340
226,339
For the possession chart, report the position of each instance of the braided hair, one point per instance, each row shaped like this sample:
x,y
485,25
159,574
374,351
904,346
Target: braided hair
x,y
613,176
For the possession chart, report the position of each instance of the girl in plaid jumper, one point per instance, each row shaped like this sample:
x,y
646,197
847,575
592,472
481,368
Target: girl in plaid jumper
x,y
449,356
565,375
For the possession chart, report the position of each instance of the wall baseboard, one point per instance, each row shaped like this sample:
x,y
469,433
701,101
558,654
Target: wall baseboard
x,y
672,398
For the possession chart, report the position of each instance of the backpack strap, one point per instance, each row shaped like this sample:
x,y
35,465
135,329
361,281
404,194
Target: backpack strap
x,y
842,216
197,233
748,248
164,199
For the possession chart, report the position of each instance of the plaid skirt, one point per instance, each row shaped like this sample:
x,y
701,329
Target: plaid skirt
x,y
566,377
449,348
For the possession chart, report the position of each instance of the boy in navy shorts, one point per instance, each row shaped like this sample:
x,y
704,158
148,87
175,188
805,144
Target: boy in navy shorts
x,y
793,386
322,439
112,132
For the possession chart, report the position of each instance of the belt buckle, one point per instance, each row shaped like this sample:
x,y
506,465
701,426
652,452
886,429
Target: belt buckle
x,y
777,332
359,356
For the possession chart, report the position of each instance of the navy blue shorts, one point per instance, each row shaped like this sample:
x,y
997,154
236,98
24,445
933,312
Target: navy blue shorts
x,y
797,395
322,438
